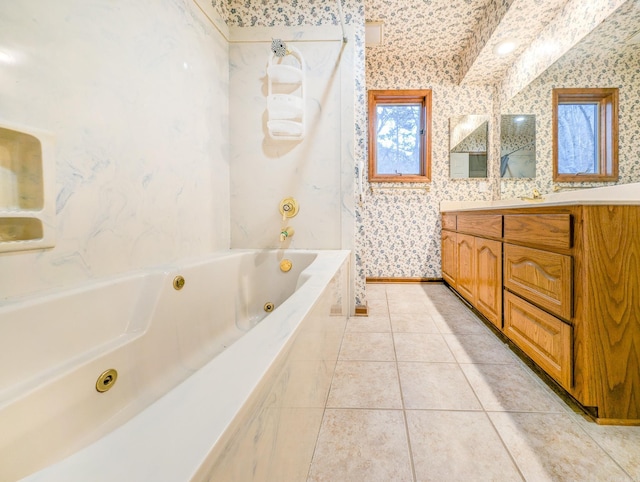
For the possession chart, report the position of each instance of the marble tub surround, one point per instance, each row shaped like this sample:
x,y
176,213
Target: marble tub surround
x,y
469,414
140,121
619,194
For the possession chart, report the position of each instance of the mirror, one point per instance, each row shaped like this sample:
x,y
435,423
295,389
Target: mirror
x,y
607,57
468,146
517,146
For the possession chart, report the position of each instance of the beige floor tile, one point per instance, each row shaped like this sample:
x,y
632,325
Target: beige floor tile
x,y
397,307
376,292
377,307
479,349
439,386
365,385
426,347
458,446
361,445
373,324
413,323
553,447
458,321
510,388
367,347
621,443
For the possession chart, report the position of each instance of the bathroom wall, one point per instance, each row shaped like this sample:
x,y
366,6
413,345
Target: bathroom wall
x,y
402,222
318,171
266,170
136,97
589,65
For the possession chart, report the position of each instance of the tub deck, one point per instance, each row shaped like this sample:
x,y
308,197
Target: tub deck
x,y
178,434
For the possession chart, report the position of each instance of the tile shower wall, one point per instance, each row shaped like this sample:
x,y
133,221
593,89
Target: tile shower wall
x,y
136,95
402,222
265,171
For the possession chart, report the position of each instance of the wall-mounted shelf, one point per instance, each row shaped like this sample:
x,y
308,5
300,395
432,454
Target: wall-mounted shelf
x,y
27,184
285,97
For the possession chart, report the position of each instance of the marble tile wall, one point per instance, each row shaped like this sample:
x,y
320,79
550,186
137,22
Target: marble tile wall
x,y
320,170
136,96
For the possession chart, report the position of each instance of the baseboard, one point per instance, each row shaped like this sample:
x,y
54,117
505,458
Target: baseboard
x,y
403,280
362,310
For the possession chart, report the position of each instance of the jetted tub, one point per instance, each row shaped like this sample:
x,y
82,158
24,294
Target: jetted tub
x,y
195,366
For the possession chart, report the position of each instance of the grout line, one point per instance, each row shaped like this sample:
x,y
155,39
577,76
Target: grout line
x,y
404,410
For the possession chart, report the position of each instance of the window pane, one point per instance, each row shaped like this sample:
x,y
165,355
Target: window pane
x,y
577,138
398,138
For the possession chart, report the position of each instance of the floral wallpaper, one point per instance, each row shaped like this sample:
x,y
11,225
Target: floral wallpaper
x,y
402,223
592,63
504,21
577,19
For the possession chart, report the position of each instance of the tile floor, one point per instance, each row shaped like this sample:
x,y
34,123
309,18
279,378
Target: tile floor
x,y
423,390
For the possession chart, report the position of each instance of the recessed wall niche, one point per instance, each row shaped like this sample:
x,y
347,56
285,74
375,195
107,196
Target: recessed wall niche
x,y
27,183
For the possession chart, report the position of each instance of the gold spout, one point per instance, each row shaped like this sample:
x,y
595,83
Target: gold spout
x,y
286,233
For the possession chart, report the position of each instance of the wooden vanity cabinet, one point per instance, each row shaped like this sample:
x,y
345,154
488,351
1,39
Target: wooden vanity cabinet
x,y
472,263
563,284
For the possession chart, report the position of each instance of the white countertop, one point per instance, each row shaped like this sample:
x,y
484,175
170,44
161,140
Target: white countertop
x,y
618,194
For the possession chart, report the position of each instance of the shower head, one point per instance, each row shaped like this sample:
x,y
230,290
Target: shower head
x,y
278,47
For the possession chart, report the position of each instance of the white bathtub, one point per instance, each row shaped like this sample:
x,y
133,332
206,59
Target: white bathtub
x,y
196,367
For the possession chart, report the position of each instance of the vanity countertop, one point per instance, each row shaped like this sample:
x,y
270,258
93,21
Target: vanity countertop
x,y
618,194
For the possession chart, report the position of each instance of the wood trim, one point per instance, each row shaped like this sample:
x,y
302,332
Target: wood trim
x,y
607,99
403,280
422,97
362,310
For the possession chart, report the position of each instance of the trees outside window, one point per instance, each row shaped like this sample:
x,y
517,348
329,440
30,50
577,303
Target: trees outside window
x,y
585,135
399,135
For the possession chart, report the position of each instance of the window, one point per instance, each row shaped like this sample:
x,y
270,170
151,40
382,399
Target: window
x,y
400,135
585,135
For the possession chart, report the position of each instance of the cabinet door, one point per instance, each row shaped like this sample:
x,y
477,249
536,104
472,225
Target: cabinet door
x,y
489,279
449,257
465,280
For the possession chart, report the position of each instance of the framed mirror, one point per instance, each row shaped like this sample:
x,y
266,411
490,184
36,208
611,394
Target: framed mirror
x,y
468,146
517,146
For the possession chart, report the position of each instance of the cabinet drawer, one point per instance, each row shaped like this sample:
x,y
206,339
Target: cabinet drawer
x,y
449,221
481,224
552,230
546,339
541,277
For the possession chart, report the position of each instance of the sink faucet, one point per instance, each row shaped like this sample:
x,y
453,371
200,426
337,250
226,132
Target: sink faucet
x,y
536,196
286,233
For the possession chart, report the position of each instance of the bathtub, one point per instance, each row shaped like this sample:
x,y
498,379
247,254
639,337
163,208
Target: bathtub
x,y
197,369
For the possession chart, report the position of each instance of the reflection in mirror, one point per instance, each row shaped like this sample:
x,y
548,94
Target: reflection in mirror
x,y
517,146
468,146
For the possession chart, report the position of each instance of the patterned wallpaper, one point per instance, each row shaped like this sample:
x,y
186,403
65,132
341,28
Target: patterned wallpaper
x,y
402,223
577,19
590,64
517,20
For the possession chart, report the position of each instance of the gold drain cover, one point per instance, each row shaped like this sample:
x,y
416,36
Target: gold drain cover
x,y
285,265
106,380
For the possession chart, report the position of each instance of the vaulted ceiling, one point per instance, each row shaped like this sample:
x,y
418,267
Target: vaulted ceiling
x,y
462,31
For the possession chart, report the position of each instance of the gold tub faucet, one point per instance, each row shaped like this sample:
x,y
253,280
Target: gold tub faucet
x,y
286,233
